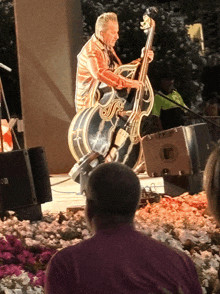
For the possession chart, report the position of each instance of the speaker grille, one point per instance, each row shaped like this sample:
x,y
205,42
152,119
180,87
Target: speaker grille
x,y
17,184
24,178
177,151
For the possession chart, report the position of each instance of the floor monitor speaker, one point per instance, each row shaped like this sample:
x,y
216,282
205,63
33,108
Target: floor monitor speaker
x,y
179,151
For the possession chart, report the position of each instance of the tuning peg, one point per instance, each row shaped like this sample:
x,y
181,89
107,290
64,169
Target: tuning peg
x,y
151,11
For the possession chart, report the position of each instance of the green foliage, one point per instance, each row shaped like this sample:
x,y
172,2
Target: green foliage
x,y
7,33
130,14
211,30
8,56
175,53
205,12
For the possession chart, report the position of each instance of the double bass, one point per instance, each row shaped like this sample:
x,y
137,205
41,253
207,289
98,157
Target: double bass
x,y
118,114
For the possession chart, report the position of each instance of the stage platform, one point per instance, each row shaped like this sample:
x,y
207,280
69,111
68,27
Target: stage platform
x,y
66,193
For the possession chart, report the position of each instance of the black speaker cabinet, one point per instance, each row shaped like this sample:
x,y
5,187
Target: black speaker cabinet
x,y
24,178
17,183
179,151
40,174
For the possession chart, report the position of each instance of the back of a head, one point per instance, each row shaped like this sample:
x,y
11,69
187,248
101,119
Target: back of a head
x,y
211,182
102,21
114,189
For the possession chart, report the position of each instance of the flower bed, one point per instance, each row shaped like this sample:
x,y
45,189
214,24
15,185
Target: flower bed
x,y
182,222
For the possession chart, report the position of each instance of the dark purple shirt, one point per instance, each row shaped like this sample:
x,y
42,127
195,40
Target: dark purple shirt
x,y
122,260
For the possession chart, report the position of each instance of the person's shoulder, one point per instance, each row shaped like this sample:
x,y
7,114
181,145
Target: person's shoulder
x,y
158,96
175,92
92,47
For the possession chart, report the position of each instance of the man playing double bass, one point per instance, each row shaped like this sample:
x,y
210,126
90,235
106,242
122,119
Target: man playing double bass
x,y
97,62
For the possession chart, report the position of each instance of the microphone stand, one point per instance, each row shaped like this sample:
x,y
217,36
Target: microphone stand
x,y
187,109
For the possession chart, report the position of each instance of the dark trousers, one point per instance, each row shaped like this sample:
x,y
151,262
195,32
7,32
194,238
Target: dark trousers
x,y
171,118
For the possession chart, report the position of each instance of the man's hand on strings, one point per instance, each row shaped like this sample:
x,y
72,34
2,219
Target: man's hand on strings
x,y
137,84
150,54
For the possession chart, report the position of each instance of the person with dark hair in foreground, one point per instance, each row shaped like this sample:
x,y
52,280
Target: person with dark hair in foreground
x,y
211,182
211,185
117,258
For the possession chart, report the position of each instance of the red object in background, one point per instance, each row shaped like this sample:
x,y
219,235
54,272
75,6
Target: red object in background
x,y
7,136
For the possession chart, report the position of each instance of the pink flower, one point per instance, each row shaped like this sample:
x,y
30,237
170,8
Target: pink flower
x,y
45,256
21,258
40,279
8,270
31,276
31,260
4,245
7,255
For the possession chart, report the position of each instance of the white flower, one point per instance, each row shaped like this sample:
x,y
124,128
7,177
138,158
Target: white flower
x,y
205,283
7,282
35,290
39,237
210,272
204,239
29,242
214,263
185,235
85,232
18,291
198,260
175,243
17,285
217,257
159,235
206,255
8,291
23,233
29,234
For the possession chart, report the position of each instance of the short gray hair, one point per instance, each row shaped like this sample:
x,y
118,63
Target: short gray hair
x,y
102,21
